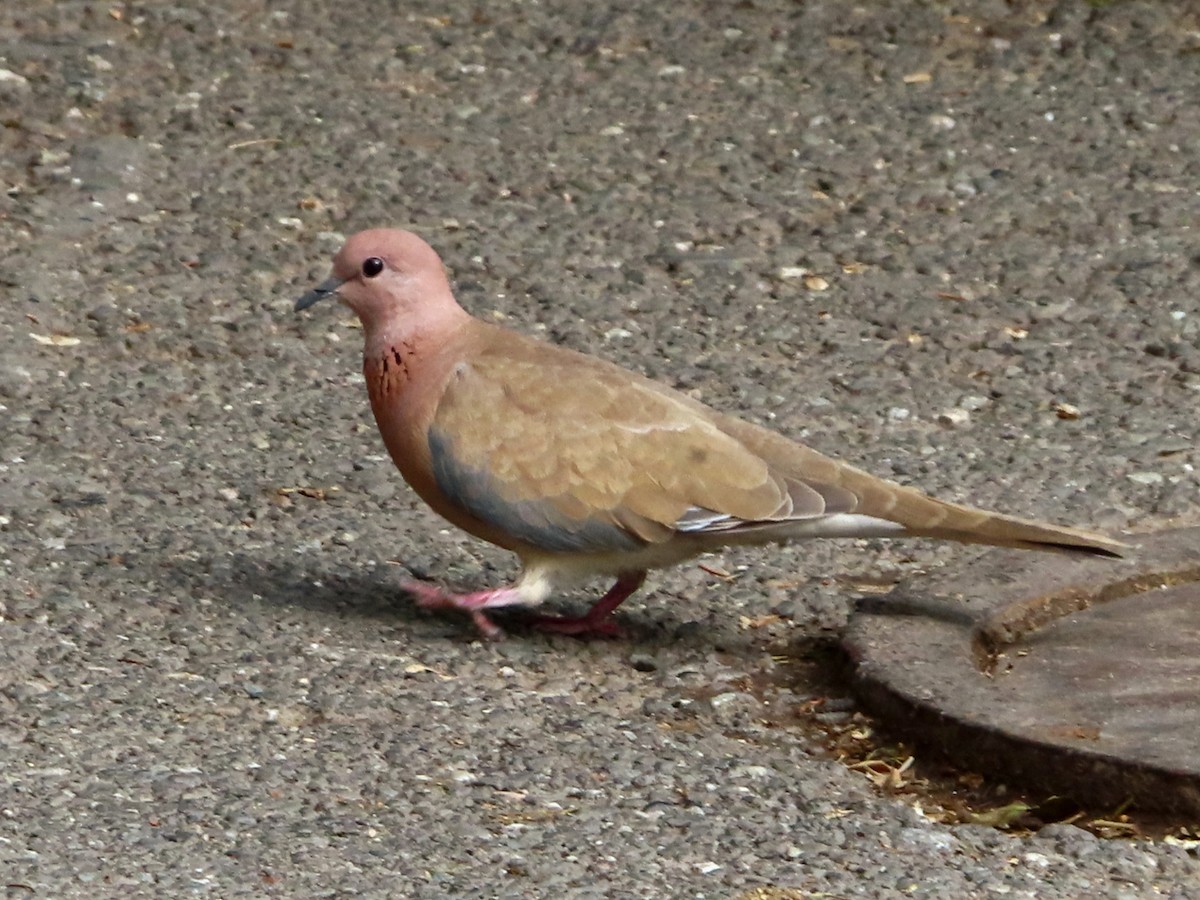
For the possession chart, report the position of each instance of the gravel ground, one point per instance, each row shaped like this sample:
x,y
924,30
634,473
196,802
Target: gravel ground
x,y
954,243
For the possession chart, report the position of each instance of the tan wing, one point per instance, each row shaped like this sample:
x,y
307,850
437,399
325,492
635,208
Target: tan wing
x,y
571,454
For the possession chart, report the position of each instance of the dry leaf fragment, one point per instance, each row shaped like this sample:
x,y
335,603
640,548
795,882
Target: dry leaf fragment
x,y
843,44
1002,817
55,340
311,492
868,584
238,145
1114,828
1187,843
884,774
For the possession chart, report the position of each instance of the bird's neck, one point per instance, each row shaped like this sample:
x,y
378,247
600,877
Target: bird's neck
x,y
397,355
405,373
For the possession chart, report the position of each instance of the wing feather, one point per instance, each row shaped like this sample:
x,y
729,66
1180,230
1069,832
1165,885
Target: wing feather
x,y
563,454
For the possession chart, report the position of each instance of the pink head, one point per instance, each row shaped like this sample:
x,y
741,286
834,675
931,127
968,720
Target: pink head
x,y
392,280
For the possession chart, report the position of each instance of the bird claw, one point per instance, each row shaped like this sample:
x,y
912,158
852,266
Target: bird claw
x,y
430,596
486,627
427,597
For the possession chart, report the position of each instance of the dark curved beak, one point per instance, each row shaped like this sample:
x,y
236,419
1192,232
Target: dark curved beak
x,y
326,288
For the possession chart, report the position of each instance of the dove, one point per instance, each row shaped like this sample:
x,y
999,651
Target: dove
x,y
582,468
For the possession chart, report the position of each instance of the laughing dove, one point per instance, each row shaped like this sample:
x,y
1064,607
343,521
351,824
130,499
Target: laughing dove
x,y
583,468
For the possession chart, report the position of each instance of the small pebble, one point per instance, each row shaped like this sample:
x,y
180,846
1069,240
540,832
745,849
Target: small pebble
x,y
1146,477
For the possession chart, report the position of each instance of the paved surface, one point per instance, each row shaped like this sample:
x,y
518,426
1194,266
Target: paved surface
x,y
210,685
1071,677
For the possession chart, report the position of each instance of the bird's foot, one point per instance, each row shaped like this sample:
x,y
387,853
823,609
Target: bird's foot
x,y
583,627
429,596
596,622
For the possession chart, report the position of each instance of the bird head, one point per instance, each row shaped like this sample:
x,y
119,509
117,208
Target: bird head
x,y
388,277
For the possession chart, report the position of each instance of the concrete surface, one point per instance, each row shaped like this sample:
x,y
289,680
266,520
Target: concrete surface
x,y
1072,677
953,243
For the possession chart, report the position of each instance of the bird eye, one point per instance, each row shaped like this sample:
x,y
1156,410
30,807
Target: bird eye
x,y
372,266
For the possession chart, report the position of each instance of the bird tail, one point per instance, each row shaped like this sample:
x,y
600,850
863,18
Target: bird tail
x,y
972,526
923,516
858,504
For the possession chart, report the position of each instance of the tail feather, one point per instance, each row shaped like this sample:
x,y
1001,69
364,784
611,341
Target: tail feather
x,y
968,525
925,516
1006,531
859,504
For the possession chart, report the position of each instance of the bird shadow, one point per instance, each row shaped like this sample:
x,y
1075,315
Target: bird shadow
x,y
913,605
249,582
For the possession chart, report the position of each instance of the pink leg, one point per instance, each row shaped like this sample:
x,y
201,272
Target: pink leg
x,y
595,622
431,597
